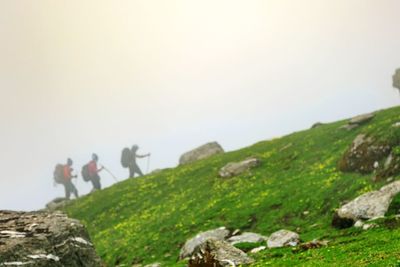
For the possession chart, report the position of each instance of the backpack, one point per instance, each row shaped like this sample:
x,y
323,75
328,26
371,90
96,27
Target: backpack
x,y
126,157
59,174
85,173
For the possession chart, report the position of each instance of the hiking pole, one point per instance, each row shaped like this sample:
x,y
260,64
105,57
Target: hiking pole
x,y
113,176
148,165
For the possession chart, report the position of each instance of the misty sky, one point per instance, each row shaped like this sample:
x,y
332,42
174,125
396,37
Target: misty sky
x,y
78,77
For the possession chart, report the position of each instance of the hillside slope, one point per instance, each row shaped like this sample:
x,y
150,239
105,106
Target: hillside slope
x,y
148,219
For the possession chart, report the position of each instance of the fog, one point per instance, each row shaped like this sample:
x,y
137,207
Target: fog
x,y
78,77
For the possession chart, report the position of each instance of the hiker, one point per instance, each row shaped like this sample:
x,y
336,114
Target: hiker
x,y
67,175
128,160
94,172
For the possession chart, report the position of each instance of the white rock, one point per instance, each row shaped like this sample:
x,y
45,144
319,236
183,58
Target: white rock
x,y
218,234
257,250
370,205
359,224
283,238
201,152
235,168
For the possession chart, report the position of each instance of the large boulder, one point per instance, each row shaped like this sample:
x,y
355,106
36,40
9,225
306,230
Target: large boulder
x,y
247,238
283,238
218,234
396,79
370,205
217,253
44,239
363,155
201,152
361,119
236,168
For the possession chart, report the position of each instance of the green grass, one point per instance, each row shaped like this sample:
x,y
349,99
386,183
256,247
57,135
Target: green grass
x,y
148,219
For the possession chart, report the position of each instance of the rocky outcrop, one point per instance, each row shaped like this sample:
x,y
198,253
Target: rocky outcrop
x,y
193,243
370,205
317,125
247,238
396,79
44,239
57,204
219,254
236,168
363,155
283,238
358,121
201,152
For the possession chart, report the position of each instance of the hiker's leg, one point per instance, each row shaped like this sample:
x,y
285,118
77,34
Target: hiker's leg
x,y
67,190
131,172
96,182
74,190
138,171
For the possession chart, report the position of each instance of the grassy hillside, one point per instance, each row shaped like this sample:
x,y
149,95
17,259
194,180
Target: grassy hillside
x,y
148,219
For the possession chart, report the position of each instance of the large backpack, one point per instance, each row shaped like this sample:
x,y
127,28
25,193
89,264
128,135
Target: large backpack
x,y
85,173
59,174
126,157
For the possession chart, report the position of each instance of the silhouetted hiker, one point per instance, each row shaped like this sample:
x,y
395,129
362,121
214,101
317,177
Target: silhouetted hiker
x,y
94,172
128,160
63,175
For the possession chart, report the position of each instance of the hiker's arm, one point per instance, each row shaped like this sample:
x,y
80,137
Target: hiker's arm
x,y
143,156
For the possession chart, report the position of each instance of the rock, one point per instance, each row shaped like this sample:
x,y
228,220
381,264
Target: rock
x,y
44,239
359,224
218,253
191,244
257,250
388,161
247,238
57,204
396,125
314,244
396,79
201,152
283,238
361,119
235,168
317,124
363,155
349,127
369,205
153,265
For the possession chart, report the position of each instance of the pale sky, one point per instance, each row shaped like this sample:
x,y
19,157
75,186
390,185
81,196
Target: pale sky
x,y
78,77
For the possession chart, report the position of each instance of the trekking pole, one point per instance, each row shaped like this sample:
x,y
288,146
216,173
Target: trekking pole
x,y
113,176
148,165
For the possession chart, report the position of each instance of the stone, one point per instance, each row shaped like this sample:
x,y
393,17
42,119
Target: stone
x,y
370,205
314,244
349,127
218,253
396,125
359,224
236,168
363,155
201,152
57,204
218,234
43,239
283,238
396,79
247,238
317,124
361,119
153,265
258,250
